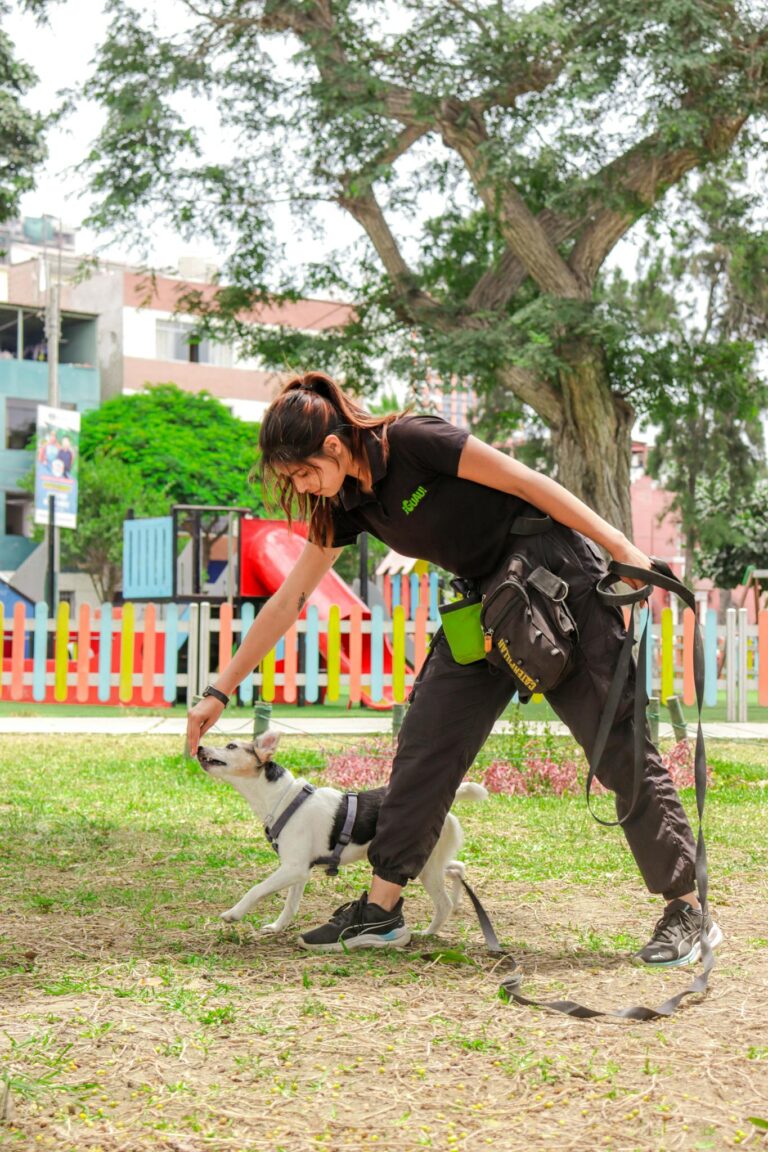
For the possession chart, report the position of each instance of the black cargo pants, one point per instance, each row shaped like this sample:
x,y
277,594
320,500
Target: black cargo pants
x,y
453,708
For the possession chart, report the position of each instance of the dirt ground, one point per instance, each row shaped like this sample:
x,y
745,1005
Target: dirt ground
x,y
116,1039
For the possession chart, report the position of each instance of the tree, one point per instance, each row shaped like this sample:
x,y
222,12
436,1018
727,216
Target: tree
x,y
746,541
107,490
189,447
543,131
181,448
701,313
21,131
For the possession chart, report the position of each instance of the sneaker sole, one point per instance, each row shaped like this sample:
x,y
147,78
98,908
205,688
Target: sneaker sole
x,y
715,938
396,939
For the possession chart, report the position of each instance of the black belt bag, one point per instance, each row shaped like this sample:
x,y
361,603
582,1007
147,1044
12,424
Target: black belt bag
x,y
528,629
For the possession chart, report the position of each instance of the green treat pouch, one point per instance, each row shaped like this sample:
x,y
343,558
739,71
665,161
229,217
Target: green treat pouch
x,y
463,630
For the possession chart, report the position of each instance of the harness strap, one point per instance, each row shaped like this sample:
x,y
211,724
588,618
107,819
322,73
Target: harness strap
x,y
332,862
272,833
662,577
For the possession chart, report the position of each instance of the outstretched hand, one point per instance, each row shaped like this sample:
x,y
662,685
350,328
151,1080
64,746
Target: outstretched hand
x,y
202,717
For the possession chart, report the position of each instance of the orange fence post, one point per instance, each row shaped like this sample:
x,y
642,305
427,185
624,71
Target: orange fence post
x,y
355,654
83,652
689,687
420,636
290,665
762,659
17,652
148,654
225,636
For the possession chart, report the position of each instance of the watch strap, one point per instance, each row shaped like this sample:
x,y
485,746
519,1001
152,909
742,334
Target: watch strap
x,y
217,695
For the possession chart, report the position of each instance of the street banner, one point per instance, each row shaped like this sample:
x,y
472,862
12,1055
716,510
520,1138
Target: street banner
x,y
56,465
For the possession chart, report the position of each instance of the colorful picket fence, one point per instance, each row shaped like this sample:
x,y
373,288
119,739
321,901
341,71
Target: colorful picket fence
x,y
157,654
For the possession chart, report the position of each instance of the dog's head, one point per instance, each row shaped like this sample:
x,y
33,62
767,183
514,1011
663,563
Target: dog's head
x,y
239,759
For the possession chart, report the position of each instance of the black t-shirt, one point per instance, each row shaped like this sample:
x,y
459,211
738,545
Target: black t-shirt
x,y
420,507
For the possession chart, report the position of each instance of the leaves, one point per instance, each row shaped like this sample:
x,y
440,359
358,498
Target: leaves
x,y
21,131
146,452
188,447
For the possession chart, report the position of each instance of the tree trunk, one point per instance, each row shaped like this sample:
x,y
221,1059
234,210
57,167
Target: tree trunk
x,y
592,440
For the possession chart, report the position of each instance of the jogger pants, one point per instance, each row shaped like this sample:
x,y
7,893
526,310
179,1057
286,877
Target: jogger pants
x,y
453,708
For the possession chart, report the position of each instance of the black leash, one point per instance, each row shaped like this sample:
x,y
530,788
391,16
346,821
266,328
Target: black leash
x,y
661,576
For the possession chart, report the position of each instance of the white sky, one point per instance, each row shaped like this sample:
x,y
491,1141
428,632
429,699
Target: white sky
x,y
61,53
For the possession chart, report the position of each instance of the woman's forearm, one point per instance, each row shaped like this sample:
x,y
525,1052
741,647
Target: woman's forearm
x,y
562,505
272,622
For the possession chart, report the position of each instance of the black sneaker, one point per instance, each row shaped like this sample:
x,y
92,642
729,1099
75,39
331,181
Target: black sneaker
x,y
359,925
676,937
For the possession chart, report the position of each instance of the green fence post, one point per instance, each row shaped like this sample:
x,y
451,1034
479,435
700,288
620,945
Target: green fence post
x,y
653,717
679,725
398,715
262,714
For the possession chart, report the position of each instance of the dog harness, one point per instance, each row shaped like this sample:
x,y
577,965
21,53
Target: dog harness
x,y
331,863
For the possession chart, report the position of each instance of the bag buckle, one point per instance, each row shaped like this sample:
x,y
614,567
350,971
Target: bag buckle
x,y
550,585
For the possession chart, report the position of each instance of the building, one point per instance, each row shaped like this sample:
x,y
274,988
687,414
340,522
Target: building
x,y
120,331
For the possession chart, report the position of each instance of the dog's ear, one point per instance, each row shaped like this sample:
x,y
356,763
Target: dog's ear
x,y
265,745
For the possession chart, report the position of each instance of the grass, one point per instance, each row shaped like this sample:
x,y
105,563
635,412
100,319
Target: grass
x,y
132,1018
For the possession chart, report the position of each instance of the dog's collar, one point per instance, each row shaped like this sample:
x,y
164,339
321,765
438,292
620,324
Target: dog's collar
x,y
272,832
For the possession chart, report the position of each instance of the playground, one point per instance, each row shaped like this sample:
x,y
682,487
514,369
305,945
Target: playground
x,y
139,1021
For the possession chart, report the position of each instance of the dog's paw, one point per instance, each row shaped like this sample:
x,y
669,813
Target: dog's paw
x,y
271,928
231,916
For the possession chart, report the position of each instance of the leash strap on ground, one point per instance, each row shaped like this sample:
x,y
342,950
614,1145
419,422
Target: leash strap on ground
x,y
662,577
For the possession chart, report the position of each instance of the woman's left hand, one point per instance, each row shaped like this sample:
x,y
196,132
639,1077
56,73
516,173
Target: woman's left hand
x,y
627,553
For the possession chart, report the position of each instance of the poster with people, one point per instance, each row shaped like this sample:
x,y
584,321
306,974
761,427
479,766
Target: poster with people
x,y
56,464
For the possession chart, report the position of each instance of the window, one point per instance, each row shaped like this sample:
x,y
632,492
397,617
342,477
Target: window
x,y
173,343
20,422
17,511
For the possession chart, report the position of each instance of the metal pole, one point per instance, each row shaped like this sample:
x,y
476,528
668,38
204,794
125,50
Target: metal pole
x,y
52,336
51,556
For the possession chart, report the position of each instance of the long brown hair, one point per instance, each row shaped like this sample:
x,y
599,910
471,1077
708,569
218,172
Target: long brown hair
x,y
309,408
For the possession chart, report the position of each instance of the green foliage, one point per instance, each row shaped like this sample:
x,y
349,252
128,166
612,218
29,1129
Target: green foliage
x,y
107,490
189,448
571,101
735,533
21,131
701,311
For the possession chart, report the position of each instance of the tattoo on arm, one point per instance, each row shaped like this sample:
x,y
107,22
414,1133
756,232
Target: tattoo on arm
x,y
302,601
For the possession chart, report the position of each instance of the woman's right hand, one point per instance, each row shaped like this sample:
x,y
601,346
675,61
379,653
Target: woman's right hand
x,y
200,718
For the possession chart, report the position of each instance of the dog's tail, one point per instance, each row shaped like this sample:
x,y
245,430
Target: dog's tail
x,y
471,793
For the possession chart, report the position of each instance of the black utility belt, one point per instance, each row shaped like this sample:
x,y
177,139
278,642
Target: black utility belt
x,y
521,624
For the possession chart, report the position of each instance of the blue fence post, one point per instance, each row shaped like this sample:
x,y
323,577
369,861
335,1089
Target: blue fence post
x,y
247,614
377,652
312,656
40,651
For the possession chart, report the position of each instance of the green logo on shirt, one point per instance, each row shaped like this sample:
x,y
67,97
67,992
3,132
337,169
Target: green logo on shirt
x,y
414,499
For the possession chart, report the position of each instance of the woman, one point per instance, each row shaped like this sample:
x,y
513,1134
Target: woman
x,y
431,490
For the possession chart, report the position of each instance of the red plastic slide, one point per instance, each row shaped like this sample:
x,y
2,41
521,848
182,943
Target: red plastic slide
x,y
269,551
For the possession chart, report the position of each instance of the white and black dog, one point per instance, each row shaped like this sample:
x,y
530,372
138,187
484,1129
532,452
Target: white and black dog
x,y
315,827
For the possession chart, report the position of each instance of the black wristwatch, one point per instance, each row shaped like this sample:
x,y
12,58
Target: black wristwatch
x,y
217,695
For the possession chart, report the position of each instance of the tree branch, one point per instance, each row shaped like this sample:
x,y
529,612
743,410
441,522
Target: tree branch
x,y
464,131
365,208
534,391
642,173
